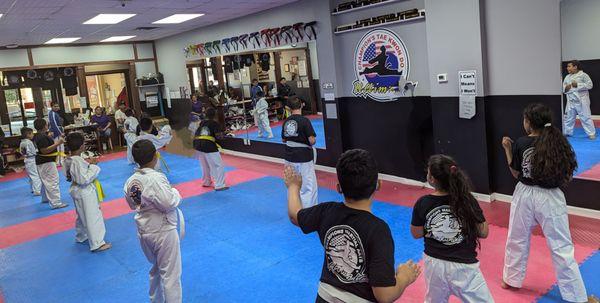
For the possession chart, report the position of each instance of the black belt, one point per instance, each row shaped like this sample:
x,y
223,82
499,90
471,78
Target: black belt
x,y
312,34
225,43
234,43
256,41
243,39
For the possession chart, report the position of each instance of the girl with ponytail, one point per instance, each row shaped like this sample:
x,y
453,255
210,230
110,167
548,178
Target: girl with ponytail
x,y
451,222
542,161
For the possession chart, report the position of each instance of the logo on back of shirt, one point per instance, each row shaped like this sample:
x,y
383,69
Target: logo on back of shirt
x,y
134,191
443,226
526,164
345,254
290,128
205,131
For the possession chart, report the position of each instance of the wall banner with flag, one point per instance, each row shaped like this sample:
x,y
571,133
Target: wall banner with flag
x,y
381,66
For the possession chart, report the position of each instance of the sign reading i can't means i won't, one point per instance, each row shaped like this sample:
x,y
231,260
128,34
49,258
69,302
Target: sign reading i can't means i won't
x,y
467,86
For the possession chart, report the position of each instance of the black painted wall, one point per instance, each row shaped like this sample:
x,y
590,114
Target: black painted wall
x,y
463,139
592,68
399,134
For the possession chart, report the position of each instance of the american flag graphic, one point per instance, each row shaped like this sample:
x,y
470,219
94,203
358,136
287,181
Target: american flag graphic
x,y
373,51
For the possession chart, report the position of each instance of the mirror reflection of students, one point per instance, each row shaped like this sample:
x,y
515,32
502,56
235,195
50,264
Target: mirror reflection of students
x,y
576,87
56,128
254,89
284,91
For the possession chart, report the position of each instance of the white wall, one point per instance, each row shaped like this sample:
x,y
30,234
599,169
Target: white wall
x,y
93,53
523,47
580,23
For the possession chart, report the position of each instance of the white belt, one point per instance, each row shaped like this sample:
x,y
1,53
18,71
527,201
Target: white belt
x,y
298,144
333,294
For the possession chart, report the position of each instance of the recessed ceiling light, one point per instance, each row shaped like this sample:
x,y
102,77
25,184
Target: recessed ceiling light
x,y
177,18
117,38
1,15
62,40
109,18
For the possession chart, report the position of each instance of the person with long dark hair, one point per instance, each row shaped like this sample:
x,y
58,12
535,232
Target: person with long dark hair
x,y
451,222
543,161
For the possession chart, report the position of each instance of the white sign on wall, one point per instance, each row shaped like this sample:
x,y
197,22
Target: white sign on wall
x,y
467,88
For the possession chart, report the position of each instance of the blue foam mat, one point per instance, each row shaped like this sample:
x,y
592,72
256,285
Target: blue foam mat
x,y
589,271
586,150
239,247
18,205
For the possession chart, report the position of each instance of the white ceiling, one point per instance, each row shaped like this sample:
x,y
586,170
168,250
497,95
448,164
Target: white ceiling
x,y
33,22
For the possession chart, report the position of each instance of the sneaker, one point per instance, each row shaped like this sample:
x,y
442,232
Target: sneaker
x,y
37,194
104,247
222,188
60,205
593,137
47,201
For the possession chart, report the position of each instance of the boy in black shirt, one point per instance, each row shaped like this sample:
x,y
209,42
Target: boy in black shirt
x,y
299,136
359,249
46,163
205,141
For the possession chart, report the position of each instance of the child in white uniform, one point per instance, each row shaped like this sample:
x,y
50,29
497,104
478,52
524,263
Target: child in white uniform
x,y
82,174
159,140
262,113
28,150
542,161
149,193
451,222
129,128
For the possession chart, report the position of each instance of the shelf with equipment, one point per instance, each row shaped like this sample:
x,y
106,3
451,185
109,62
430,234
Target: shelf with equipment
x,y
357,8
379,21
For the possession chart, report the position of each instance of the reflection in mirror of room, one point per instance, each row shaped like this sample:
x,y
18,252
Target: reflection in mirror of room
x,y
581,101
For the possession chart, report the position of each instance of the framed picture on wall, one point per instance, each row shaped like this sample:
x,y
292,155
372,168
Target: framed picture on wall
x,y
294,60
286,68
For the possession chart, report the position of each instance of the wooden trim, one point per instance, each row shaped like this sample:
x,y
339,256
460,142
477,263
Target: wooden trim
x,y
135,53
76,44
204,84
220,73
108,72
4,118
30,57
38,101
134,93
81,82
73,64
155,57
277,60
311,90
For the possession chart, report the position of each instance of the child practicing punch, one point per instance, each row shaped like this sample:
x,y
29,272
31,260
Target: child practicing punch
x,y
160,139
262,116
299,136
155,201
129,128
359,248
28,150
83,174
542,161
451,222
205,142
46,164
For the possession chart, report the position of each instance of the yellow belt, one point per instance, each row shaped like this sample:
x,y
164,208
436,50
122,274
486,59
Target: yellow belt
x,y
99,190
54,154
209,138
164,163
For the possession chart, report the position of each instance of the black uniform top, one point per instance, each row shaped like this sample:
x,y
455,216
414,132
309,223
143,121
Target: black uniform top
x,y
298,129
522,152
207,128
42,140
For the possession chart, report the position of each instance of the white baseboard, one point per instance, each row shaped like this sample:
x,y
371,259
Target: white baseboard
x,y
577,211
595,117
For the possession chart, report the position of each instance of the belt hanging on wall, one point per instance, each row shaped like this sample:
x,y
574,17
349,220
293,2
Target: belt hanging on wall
x,y
255,39
298,29
312,34
265,35
208,48
286,34
274,35
216,45
243,39
234,43
200,48
225,43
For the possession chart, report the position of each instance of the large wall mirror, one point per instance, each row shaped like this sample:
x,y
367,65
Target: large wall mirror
x,y
229,83
581,100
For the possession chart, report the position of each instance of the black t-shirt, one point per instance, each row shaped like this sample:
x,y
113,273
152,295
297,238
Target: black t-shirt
x,y
443,233
522,152
43,141
207,128
297,129
359,248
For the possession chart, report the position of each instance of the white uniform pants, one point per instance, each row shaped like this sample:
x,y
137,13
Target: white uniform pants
x,y
50,186
212,169
534,205
162,251
263,125
445,278
59,149
308,191
33,176
90,223
130,139
583,110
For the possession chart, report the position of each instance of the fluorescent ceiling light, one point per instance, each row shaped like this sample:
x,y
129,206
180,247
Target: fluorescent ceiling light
x,y
109,18
117,38
177,18
1,15
62,40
